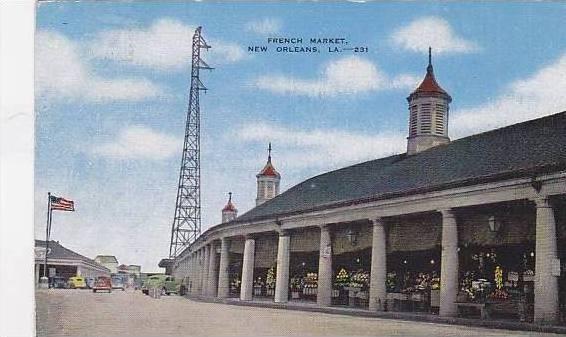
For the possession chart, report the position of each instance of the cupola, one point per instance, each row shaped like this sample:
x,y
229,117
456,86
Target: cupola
x,y
267,181
428,113
229,212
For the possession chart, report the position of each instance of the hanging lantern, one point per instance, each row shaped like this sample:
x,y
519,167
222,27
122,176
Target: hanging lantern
x,y
494,224
352,236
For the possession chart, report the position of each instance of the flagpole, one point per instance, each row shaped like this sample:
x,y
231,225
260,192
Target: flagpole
x,y
47,232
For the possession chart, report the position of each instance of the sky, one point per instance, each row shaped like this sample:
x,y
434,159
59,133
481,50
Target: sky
x,y
112,83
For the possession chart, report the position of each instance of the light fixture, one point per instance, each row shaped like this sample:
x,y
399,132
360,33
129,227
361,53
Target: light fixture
x,y
431,261
494,224
352,236
358,260
405,261
532,254
303,264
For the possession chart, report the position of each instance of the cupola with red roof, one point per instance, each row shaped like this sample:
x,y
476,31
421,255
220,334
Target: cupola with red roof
x,y
428,109
229,212
267,181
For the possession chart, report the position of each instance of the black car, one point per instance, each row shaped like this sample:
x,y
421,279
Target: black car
x,y
58,282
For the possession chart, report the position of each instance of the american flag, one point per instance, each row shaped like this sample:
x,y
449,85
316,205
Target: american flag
x,y
62,204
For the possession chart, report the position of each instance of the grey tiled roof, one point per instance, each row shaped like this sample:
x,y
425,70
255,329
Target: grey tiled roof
x,y
57,251
523,149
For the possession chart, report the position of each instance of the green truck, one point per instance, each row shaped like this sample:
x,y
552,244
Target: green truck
x,y
167,283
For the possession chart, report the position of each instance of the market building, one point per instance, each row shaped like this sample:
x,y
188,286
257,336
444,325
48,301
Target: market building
x,y
447,228
64,262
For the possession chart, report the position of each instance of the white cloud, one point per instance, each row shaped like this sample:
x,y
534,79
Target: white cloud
x,y
60,73
431,31
138,142
538,95
323,148
348,75
405,81
165,45
265,26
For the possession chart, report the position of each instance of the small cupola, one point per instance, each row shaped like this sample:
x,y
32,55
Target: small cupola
x,y
229,212
428,113
267,181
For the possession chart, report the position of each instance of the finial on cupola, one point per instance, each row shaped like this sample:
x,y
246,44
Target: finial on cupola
x,y
269,153
429,68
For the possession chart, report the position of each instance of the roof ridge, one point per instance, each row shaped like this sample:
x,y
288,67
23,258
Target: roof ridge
x,y
510,126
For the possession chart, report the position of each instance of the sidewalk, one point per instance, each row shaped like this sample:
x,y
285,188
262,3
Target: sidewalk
x,y
406,316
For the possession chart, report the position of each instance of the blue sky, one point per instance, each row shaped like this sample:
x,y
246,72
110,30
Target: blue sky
x,y
111,99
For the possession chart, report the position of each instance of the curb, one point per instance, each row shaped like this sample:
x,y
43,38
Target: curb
x,y
403,316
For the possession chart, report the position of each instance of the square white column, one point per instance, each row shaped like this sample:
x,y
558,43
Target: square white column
x,y
377,290
546,284
449,265
204,277
246,290
212,272
282,278
223,275
324,291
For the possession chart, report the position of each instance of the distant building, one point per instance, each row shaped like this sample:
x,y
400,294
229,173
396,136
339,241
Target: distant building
x,y
134,269
64,262
108,261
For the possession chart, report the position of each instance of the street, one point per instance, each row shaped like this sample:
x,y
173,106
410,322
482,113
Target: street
x,y
66,312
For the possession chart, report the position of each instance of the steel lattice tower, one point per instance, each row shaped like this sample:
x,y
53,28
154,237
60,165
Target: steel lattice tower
x,y
187,220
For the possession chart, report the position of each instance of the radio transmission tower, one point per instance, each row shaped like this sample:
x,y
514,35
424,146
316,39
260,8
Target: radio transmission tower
x,y
186,223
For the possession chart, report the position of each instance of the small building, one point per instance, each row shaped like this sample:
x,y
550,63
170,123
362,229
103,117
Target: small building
x,y
134,269
108,261
64,262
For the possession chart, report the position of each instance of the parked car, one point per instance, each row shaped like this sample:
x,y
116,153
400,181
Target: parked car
x,y
77,282
118,283
90,282
57,282
102,283
166,283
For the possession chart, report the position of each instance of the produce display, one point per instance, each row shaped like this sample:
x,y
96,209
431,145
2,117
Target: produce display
x,y
311,280
392,282
359,279
296,284
342,278
435,283
270,279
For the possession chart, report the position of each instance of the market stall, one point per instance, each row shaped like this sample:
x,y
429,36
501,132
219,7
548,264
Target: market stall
x,y
413,281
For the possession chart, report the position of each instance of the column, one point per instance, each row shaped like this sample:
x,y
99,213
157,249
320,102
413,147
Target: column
x,y
324,291
223,276
247,287
377,290
204,276
546,284
282,278
212,272
37,275
449,265
200,257
193,271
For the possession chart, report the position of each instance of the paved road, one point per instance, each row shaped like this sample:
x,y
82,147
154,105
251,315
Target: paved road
x,y
83,313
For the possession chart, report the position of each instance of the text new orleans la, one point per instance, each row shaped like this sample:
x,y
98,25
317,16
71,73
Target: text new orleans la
x,y
301,45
